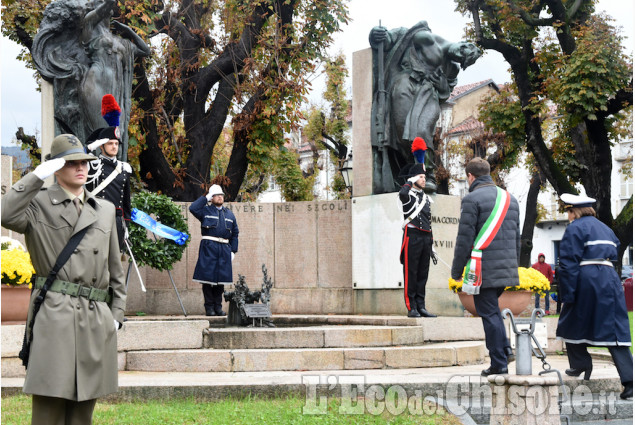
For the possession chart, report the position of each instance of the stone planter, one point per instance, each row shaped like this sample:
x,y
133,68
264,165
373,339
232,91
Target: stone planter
x,y
516,301
15,303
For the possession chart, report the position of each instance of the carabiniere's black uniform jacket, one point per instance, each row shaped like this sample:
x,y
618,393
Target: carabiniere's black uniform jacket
x,y
410,199
117,191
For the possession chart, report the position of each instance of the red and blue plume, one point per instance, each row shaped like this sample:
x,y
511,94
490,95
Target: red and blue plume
x,y
110,110
419,149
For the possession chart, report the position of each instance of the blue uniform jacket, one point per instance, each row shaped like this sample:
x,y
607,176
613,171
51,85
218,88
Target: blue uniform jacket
x,y
594,308
214,263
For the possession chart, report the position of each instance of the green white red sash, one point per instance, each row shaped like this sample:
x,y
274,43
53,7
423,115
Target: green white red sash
x,y
473,276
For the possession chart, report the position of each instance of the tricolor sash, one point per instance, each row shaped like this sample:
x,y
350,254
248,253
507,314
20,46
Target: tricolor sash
x,y
473,275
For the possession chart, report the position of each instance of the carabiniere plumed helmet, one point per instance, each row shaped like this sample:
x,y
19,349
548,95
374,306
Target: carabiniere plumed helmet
x,y
69,147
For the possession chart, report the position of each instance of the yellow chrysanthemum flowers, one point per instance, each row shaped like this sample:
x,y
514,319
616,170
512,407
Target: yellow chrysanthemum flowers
x,y
530,280
16,266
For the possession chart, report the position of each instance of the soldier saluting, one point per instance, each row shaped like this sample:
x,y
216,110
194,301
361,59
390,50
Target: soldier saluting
x,y
219,231
109,178
73,342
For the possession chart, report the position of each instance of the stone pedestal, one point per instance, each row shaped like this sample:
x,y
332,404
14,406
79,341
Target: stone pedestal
x,y
377,236
524,400
362,104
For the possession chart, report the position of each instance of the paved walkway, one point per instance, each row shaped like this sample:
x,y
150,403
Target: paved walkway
x,y
603,373
446,385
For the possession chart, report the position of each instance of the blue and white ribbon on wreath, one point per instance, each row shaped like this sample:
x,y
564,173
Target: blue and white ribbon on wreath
x,y
162,230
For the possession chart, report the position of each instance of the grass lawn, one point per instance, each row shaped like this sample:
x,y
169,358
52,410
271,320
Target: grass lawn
x,y
16,410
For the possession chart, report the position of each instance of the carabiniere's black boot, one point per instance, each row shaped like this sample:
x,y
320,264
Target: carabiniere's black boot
x,y
425,313
413,313
413,308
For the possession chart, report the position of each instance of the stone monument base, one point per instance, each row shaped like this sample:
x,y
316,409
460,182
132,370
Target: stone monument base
x,y
377,235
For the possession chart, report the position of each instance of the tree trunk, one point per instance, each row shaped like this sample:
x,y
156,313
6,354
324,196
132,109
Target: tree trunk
x,y
155,170
531,216
600,170
623,228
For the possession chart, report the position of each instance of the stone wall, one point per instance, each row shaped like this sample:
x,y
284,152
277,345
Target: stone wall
x,y
309,249
306,247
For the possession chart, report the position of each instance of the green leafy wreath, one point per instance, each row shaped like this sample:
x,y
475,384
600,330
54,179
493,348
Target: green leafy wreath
x,y
158,253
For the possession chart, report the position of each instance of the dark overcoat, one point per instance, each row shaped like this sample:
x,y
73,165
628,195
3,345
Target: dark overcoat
x,y
74,350
214,265
594,308
500,259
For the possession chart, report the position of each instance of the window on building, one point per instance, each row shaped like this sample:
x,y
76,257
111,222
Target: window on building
x,y
625,150
626,187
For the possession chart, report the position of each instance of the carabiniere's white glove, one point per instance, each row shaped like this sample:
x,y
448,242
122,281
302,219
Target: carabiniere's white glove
x,y
117,325
47,168
97,143
413,179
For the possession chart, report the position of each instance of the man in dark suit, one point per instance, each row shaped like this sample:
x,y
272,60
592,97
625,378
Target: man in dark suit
x,y
498,266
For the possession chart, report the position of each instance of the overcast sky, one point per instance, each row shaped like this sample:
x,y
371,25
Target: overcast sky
x,y
20,102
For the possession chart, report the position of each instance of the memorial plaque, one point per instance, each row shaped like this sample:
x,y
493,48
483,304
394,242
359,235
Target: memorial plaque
x,y
255,311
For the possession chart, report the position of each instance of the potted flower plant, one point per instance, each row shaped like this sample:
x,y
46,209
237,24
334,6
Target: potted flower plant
x,y
516,298
16,280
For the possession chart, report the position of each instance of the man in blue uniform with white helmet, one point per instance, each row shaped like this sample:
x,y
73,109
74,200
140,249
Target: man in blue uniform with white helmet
x,y
218,246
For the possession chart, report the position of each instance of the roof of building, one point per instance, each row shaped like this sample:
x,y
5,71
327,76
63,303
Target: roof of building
x,y
306,147
461,91
468,125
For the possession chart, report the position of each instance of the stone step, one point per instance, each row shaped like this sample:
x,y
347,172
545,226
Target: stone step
x,y
341,358
141,334
312,337
135,335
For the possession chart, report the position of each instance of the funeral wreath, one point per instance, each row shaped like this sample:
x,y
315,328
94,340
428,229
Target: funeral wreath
x,y
152,250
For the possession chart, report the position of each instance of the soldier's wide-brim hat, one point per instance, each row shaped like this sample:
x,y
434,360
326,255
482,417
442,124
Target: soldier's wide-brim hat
x,y
411,170
69,147
576,201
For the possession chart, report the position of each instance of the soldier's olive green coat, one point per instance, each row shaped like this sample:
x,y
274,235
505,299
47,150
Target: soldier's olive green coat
x,y
74,349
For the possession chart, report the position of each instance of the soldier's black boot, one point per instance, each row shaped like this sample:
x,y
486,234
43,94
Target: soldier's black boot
x,y
209,311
